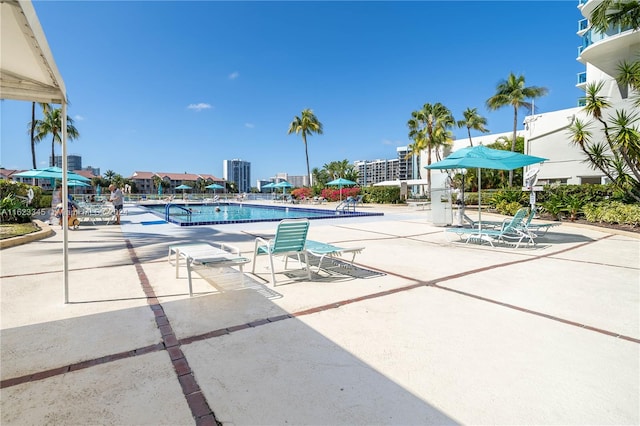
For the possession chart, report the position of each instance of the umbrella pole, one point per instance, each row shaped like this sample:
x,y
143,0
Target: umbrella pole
x,y
479,201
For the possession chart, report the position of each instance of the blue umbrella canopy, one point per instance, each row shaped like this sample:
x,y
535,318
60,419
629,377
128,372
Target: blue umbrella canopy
x,y
284,185
214,186
340,182
160,189
480,157
76,183
51,173
184,187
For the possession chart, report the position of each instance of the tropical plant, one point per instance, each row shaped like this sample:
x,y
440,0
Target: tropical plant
x,y
341,169
553,205
51,124
32,128
109,175
306,124
573,205
623,13
616,152
473,121
429,128
513,91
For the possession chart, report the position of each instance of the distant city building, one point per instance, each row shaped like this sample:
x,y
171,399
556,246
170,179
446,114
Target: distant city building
x,y
74,162
94,170
376,171
239,172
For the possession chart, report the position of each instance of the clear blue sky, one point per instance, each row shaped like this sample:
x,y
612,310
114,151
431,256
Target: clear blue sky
x,y
177,86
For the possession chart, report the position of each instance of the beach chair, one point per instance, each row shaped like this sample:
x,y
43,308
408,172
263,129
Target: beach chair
x,y
207,255
322,250
290,239
538,228
511,231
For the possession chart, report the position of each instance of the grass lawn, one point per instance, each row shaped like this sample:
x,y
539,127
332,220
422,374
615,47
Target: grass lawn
x,y
8,230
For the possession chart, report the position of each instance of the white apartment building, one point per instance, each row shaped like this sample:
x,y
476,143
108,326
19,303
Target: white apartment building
x,y
546,135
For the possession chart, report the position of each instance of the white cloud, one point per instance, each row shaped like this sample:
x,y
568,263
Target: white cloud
x,y
78,118
234,75
249,125
199,107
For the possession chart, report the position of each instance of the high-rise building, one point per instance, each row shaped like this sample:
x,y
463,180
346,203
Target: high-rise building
x,y
74,161
546,135
239,172
376,171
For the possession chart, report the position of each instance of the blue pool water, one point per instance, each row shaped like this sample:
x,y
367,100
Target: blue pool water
x,y
206,214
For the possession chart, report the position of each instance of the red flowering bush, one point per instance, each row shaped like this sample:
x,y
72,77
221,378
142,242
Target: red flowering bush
x,y
331,194
300,193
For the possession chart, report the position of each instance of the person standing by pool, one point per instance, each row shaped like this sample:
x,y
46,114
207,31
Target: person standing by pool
x,y
118,201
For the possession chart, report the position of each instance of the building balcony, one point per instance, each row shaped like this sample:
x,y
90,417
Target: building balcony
x,y
583,25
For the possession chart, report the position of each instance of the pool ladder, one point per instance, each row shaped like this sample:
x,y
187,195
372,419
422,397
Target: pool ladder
x,y
168,207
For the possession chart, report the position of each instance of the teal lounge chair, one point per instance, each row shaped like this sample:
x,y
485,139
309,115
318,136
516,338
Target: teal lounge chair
x,y
510,231
538,228
322,250
290,238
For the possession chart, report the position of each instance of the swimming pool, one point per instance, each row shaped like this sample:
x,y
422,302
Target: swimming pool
x,y
206,214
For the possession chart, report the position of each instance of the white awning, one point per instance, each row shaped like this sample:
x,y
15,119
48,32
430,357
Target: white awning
x,y
409,182
27,69
29,73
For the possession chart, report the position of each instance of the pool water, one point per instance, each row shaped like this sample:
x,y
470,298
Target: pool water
x,y
206,214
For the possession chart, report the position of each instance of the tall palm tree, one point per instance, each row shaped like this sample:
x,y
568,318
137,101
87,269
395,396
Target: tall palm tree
x,y
32,128
109,175
306,124
473,121
51,124
429,128
624,13
513,91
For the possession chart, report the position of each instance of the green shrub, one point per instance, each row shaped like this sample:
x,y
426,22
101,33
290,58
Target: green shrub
x,y
381,194
613,212
508,207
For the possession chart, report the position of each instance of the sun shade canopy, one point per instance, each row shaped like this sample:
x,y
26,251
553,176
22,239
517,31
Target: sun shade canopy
x,y
481,157
27,69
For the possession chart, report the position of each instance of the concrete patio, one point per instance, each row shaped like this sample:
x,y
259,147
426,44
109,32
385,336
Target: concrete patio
x,y
443,333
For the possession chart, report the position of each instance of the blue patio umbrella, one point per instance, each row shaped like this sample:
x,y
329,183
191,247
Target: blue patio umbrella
x,y
160,189
214,186
76,183
51,173
284,185
480,157
340,182
98,190
184,188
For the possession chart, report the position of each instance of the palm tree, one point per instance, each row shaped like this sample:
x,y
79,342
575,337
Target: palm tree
x,y
306,124
513,91
473,121
623,13
429,128
32,128
51,124
109,175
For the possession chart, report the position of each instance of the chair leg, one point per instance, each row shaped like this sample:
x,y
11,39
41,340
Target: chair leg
x,y
273,274
306,259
